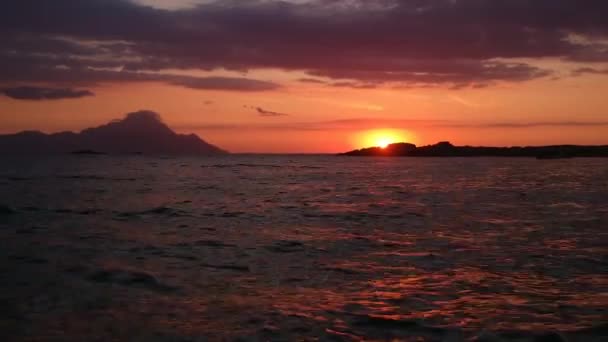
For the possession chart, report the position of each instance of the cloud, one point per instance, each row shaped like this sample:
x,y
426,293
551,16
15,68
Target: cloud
x,y
37,69
224,83
41,93
266,113
344,84
311,80
333,125
531,124
457,73
358,124
355,85
353,42
588,70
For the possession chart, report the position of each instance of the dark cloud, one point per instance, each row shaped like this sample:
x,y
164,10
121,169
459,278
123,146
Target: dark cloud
x,y
588,70
356,85
41,93
311,80
267,113
224,83
58,70
455,72
345,84
354,42
263,112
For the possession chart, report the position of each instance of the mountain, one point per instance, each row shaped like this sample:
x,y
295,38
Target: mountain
x,y
446,149
139,132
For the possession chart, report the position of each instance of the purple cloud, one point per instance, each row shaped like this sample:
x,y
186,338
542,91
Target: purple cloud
x,y
41,93
404,42
266,113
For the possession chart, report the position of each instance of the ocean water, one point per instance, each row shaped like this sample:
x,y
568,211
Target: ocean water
x,y
303,248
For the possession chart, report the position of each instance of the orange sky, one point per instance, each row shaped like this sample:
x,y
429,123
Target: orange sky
x,y
259,83
328,119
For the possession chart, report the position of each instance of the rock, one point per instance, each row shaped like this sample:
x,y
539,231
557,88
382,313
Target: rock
x,y
87,152
550,337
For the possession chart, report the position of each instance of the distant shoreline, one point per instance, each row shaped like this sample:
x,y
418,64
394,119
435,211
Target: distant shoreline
x,y
446,149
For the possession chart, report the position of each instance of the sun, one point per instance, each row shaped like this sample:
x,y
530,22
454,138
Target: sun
x,y
383,142
381,138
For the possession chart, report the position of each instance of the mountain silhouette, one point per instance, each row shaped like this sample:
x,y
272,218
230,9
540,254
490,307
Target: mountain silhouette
x,y
139,132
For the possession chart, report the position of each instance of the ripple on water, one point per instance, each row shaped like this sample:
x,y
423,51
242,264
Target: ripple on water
x,y
285,248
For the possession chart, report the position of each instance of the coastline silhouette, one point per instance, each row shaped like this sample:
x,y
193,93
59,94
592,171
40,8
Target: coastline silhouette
x,y
446,149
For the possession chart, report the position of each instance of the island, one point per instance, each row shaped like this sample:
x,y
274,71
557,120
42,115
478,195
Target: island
x,y
142,132
446,149
88,153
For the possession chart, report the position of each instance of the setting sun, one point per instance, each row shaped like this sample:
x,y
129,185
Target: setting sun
x,y
384,142
382,138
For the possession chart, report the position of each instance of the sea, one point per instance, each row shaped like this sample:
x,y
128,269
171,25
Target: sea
x,y
303,248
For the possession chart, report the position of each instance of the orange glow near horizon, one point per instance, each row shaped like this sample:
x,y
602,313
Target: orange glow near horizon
x,y
230,120
382,138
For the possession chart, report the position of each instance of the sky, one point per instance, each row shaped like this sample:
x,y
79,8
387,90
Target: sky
x,y
312,75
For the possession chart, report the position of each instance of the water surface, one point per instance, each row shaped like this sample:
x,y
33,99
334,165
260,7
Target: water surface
x,y
278,248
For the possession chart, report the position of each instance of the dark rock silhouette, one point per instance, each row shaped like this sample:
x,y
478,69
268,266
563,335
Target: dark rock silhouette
x,y
446,149
87,152
398,149
139,132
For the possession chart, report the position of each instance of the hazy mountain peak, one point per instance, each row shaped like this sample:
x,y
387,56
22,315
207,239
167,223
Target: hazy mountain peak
x,y
142,131
144,115
140,124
